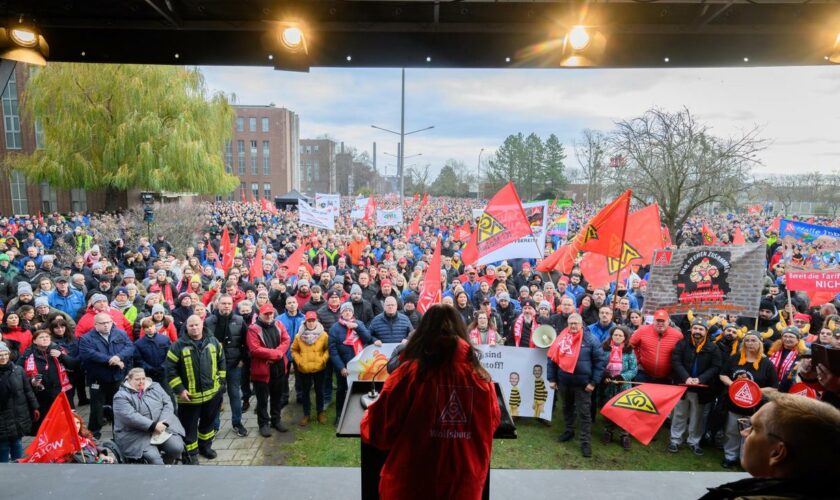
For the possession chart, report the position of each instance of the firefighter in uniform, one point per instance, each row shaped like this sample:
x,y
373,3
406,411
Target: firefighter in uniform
x,y
195,368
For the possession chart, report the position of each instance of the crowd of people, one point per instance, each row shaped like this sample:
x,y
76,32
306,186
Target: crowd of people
x,y
151,336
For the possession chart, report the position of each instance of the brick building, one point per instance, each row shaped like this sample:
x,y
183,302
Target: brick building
x,y
22,136
264,152
317,166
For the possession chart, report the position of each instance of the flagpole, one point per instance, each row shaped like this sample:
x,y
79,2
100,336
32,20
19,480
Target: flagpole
x,y
621,252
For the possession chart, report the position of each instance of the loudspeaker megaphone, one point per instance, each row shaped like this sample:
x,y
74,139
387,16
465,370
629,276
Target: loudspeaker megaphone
x,y
543,336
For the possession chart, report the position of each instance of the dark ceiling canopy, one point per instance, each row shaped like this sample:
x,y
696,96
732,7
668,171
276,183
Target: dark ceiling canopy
x,y
470,34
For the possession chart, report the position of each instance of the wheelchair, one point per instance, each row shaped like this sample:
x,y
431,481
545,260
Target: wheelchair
x,y
111,447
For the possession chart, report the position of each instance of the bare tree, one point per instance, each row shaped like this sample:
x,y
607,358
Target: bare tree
x,y
417,178
591,152
675,161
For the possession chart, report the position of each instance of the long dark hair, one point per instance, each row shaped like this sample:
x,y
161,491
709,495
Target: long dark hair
x,y
436,339
626,348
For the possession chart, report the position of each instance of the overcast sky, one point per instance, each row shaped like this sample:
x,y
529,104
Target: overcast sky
x,y
797,109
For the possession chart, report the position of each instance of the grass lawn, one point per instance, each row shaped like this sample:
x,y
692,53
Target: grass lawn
x,y
535,448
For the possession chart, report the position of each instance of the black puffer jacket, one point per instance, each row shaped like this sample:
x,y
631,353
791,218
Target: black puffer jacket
x,y
234,343
17,402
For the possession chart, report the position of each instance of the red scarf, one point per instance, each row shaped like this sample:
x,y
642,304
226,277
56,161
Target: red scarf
x,y
475,337
352,338
615,363
167,293
31,369
783,366
517,329
565,350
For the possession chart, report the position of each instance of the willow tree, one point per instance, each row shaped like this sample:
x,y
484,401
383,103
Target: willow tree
x,y
117,127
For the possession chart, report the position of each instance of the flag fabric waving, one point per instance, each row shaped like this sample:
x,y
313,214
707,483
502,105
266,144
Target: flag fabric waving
x,y
463,232
370,211
430,293
255,270
738,237
503,222
562,260
709,237
605,232
414,227
57,436
565,350
227,250
643,236
642,409
297,259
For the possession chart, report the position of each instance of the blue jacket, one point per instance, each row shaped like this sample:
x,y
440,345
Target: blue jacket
x,y
47,239
602,333
292,324
95,352
150,353
590,365
71,304
471,288
390,330
340,353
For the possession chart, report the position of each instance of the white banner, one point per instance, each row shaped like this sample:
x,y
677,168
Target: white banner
x,y
527,247
389,217
520,372
476,213
330,203
315,218
358,210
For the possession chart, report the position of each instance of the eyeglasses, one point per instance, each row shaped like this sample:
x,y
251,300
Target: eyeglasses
x,y
745,427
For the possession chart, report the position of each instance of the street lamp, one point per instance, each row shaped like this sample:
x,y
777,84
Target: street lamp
x,y
402,133
478,178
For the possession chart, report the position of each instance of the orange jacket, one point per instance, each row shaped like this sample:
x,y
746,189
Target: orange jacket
x,y
653,351
355,249
439,431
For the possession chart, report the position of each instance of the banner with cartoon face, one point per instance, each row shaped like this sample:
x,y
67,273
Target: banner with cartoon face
x,y
520,372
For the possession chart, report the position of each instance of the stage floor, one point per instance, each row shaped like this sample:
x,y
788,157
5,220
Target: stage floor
x,y
130,482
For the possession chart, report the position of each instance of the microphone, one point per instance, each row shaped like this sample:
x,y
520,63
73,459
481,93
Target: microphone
x,y
370,397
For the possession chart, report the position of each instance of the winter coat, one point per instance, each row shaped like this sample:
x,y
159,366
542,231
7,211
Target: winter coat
x,y
340,353
311,358
150,354
363,311
136,417
590,365
197,366
705,365
629,368
654,352
94,352
292,324
390,330
234,343
327,318
69,304
17,402
261,355
456,413
86,322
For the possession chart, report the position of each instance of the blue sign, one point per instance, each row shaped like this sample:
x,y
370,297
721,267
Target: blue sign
x,y
802,231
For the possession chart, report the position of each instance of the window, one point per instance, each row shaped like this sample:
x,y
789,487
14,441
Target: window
x,y
315,148
39,135
49,203
308,149
267,190
11,117
240,124
266,159
254,170
228,157
255,189
78,200
17,183
316,174
252,124
240,153
265,124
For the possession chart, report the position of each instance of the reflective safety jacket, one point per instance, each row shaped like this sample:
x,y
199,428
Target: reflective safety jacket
x,y
197,366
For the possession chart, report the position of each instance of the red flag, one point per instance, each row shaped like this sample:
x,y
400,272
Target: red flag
x,y
256,269
370,211
666,236
775,225
226,250
754,209
605,233
709,237
416,197
503,222
253,198
643,236
297,259
57,436
738,237
565,350
414,227
642,409
464,232
244,200
820,298
562,260
424,201
430,293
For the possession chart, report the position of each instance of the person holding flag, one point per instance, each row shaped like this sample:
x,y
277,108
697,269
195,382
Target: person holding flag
x,y
576,363
18,407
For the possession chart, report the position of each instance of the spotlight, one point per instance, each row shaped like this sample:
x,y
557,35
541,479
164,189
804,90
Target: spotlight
x,y
507,59
578,38
667,59
746,59
349,58
292,38
22,42
428,59
271,57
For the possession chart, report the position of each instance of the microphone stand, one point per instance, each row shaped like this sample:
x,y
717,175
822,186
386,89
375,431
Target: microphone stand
x,y
370,397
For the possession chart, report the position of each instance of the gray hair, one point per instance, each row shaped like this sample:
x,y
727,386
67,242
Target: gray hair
x,y
134,372
245,303
575,316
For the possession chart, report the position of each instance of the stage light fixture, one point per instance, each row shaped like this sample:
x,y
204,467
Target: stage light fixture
x,y
22,42
292,37
578,38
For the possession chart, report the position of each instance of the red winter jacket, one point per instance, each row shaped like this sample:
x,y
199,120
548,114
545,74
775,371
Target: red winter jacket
x,y
439,431
86,322
262,356
653,351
